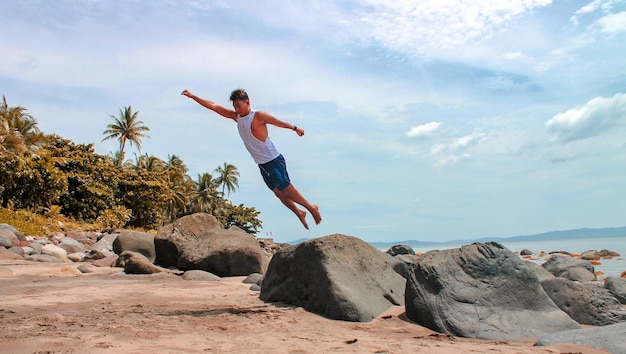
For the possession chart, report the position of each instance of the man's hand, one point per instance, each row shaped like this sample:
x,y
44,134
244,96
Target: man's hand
x,y
300,131
186,93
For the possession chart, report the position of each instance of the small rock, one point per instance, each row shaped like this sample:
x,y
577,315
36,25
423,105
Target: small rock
x,y
138,264
86,268
108,261
200,275
254,278
591,255
400,249
579,274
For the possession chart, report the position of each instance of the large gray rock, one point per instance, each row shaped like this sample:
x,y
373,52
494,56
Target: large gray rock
x,y
609,338
339,277
20,236
7,238
586,303
135,241
180,232
191,244
559,264
617,287
481,291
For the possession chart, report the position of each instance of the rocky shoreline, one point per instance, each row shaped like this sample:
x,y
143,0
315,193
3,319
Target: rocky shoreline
x,y
343,278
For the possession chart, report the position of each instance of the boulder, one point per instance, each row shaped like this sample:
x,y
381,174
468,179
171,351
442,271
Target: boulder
x,y
55,251
590,255
400,249
7,238
197,242
180,232
339,277
541,273
397,265
137,263
20,236
135,241
586,303
609,338
558,264
579,274
617,287
105,243
481,291
71,245
526,252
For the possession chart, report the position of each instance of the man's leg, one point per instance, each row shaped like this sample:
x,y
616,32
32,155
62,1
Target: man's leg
x,y
301,214
291,195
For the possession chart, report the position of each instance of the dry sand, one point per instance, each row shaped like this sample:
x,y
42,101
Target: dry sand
x,y
52,308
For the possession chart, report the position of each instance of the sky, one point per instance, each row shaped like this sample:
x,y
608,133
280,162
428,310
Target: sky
x,y
424,120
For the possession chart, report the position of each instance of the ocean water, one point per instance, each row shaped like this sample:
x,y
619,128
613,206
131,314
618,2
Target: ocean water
x,y
609,267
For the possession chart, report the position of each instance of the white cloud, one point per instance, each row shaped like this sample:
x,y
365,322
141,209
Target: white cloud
x,y
597,116
424,129
456,150
613,23
424,28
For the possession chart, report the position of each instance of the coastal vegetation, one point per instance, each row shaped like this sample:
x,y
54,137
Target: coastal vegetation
x,y
50,177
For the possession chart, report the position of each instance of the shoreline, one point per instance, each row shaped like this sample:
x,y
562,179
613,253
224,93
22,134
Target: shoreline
x,y
55,307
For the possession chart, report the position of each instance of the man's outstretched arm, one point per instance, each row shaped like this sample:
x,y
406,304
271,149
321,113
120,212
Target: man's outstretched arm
x,y
270,119
221,110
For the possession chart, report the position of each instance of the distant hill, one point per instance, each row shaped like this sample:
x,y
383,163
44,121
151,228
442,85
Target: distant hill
x,y
552,235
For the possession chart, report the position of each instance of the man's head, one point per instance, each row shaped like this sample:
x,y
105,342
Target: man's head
x,y
239,94
241,102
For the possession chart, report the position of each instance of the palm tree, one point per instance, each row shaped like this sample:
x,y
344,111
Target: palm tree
x,y
126,127
208,197
228,177
149,163
18,129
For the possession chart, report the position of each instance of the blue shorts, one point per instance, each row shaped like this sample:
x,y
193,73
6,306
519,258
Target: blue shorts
x,y
275,173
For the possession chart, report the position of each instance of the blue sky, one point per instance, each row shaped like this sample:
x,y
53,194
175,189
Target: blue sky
x,y
425,120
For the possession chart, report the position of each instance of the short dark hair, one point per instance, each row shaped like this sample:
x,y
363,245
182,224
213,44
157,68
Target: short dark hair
x,y
239,94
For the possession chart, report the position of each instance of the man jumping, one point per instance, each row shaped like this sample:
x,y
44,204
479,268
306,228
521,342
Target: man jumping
x,y
252,126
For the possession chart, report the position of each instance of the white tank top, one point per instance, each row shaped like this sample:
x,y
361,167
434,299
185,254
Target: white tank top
x,y
261,151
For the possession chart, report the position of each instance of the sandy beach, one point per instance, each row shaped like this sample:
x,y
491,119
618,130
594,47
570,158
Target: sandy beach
x,y
53,308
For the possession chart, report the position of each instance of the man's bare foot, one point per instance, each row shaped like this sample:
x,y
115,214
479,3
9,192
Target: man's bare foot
x,y
302,216
316,214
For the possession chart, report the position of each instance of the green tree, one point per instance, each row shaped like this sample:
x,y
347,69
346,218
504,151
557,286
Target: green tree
x,y
208,199
243,217
145,193
126,128
91,179
227,177
18,129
